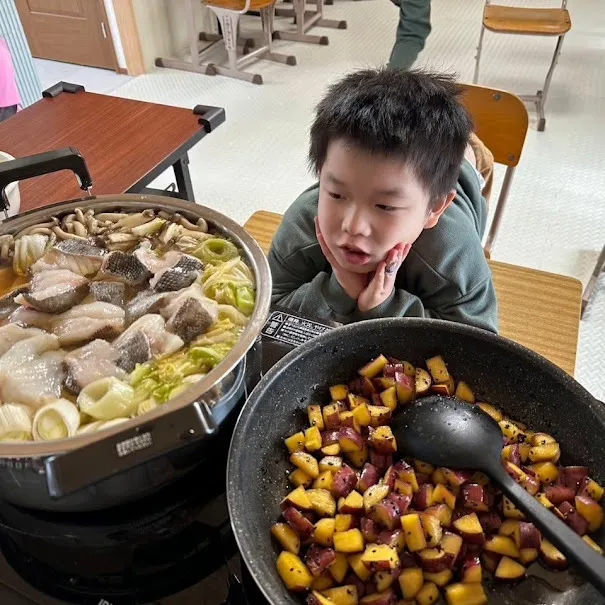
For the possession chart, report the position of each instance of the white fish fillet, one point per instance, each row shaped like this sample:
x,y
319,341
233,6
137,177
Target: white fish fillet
x,y
154,327
152,261
57,259
32,370
195,291
85,322
11,334
25,316
91,362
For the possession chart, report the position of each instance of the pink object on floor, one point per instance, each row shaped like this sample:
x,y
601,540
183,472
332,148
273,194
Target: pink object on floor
x,y
9,95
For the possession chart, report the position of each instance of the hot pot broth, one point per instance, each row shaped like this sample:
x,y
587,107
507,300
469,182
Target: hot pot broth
x,y
106,316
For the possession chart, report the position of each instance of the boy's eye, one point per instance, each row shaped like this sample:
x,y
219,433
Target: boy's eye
x,y
387,208
335,196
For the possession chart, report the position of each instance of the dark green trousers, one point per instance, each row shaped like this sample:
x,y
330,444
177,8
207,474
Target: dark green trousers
x,y
412,31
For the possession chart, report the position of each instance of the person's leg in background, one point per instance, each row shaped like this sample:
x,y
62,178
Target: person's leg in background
x,y
412,31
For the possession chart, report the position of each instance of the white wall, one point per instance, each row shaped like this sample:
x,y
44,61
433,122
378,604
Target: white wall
x,y
115,34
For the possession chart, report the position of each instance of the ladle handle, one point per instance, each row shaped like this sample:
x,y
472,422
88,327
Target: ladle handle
x,y
588,562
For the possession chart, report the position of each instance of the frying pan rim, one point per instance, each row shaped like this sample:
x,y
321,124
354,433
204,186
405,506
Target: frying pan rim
x,y
237,507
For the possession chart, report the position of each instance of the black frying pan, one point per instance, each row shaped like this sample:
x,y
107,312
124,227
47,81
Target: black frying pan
x,y
527,386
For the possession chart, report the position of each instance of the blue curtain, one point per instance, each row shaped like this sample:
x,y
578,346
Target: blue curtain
x,y
11,30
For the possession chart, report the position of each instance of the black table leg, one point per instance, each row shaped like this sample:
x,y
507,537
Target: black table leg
x,y
183,178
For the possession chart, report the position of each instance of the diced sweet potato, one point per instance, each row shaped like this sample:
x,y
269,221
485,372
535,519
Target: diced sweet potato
x,y
287,537
445,389
380,461
423,467
388,398
373,495
344,482
464,392
551,556
312,439
324,532
470,529
338,392
541,439
571,516
456,478
316,598
374,367
382,383
414,532
324,481
362,414
591,488
318,559
502,545
315,417
433,531
297,498
342,595
403,488
573,476
531,484
394,538
352,504
379,598
528,555
490,410
300,478
322,502
480,479
423,382
438,370
380,415
475,497
526,536
344,522
546,472
558,494
471,572
369,529
428,594
592,544
380,557
362,386
358,459
490,521
591,511
356,400
350,541
410,582
330,437
510,511
511,431
386,513
442,512
305,462
298,522
320,582
331,450
293,572
509,570
443,494
340,566
465,594
368,477
423,498
405,387
545,453
361,571
384,579
509,528
490,561
350,440
348,419
295,443
331,414
433,560
383,440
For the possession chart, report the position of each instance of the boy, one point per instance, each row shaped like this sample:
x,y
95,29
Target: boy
x,y
394,226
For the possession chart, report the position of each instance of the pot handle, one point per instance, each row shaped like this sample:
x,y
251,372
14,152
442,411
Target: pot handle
x,y
30,166
77,469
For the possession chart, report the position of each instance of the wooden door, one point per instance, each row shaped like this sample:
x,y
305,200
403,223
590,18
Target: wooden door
x,y
72,31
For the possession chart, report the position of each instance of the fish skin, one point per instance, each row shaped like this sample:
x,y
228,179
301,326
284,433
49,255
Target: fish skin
x,y
69,289
190,320
143,303
126,268
179,276
112,292
133,350
8,304
74,255
153,326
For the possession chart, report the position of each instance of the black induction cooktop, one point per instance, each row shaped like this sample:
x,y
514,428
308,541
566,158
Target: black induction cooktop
x,y
173,548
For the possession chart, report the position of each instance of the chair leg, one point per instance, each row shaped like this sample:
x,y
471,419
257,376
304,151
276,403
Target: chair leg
x,y
500,205
542,94
300,35
478,55
267,18
598,270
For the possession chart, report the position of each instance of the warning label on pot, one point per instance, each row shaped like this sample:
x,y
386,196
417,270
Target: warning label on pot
x,y
291,329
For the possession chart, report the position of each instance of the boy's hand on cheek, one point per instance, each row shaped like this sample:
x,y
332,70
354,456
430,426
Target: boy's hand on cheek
x,y
382,283
351,283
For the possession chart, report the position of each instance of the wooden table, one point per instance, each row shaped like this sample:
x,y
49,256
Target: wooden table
x,y
125,143
536,309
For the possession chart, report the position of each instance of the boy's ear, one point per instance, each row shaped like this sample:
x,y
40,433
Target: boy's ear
x,y
437,210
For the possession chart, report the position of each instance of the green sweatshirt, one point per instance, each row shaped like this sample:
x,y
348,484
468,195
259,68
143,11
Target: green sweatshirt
x,y
444,276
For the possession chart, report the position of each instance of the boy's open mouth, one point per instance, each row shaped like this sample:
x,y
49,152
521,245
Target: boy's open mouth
x,y
355,256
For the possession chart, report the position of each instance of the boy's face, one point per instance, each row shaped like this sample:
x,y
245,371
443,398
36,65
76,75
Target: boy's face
x,y
370,203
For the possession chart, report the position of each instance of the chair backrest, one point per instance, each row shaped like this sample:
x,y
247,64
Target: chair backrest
x,y
500,120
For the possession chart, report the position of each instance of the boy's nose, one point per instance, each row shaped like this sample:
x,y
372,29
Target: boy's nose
x,y
355,223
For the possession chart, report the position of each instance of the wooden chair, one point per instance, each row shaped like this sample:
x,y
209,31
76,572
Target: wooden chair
x,y
553,22
500,120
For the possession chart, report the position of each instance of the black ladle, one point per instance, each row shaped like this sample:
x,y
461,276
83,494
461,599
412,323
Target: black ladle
x,y
447,432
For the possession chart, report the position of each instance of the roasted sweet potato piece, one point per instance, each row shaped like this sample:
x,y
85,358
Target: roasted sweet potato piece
x,y
438,370
383,440
323,533
374,495
526,535
293,572
361,571
443,494
305,462
495,413
344,522
464,392
361,413
591,488
318,559
385,579
388,398
591,511
300,478
295,443
510,511
490,560
380,557
298,522
316,418
456,478
423,382
541,439
287,537
442,512
321,582
414,532
380,598
573,476
394,538
490,522
344,482
339,568
405,387
470,529
342,595
358,459
465,594
441,578
423,498
433,531
350,541
338,392
380,461
545,453
433,560
331,450
410,582
369,476
551,556
471,571
509,570
445,389
316,598
380,415
352,504
475,497
348,419
511,431
369,529
350,440
312,439
297,498
324,481
558,494
331,414
428,594
374,367
592,544
571,516
546,472
528,555
322,502
502,545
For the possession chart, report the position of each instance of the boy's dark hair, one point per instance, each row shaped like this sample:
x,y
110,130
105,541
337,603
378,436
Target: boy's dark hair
x,y
415,115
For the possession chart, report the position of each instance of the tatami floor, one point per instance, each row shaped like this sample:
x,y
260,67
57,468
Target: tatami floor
x,y
556,215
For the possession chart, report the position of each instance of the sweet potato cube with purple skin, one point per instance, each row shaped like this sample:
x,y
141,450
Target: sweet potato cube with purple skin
x,y
342,595
322,502
318,559
442,512
370,529
380,598
360,570
470,529
558,494
388,398
423,498
316,598
386,513
551,556
414,532
344,522
287,537
380,557
380,461
403,488
339,392
383,440
297,498
374,495
441,494
410,582
490,522
465,594
295,443
433,531
369,476
331,450
573,476
502,545
438,370
330,463
344,482
423,382
300,478
358,459
362,386
572,517
293,572
324,481
405,387
306,462
471,570
456,478
298,522
490,560
352,504
428,594
526,535
528,555
394,538
372,369
591,511
589,487
350,541
445,390
546,472
350,440
475,497
433,560
331,414
339,568
380,415
323,533
509,570
545,453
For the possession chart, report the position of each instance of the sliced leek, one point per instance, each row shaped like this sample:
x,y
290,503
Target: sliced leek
x,y
146,406
91,427
15,422
110,423
57,419
107,398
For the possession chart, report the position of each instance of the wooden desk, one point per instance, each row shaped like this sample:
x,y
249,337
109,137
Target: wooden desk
x,y
126,144
536,309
